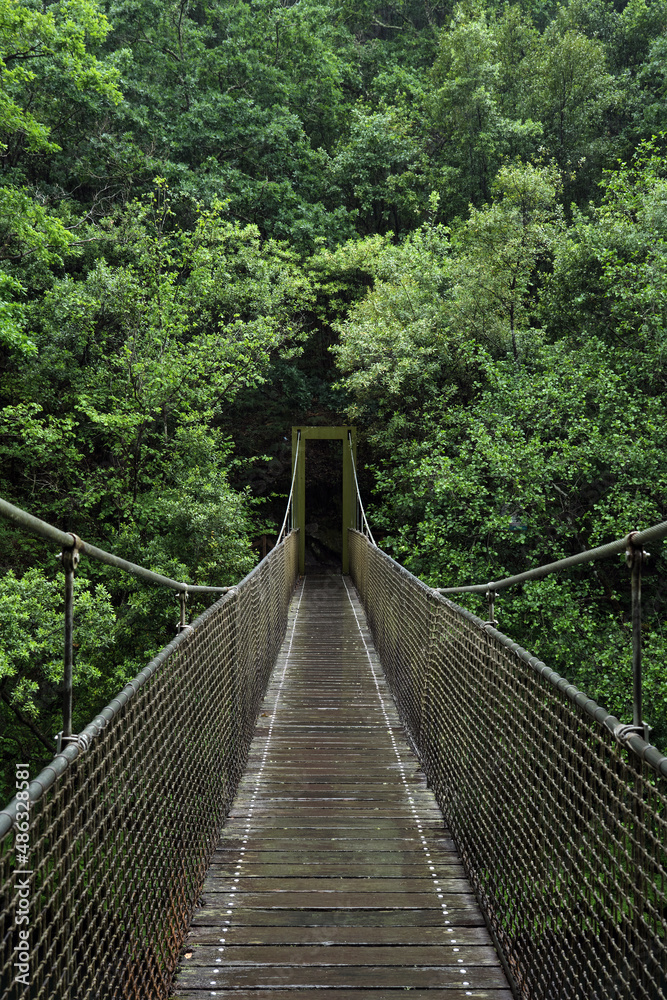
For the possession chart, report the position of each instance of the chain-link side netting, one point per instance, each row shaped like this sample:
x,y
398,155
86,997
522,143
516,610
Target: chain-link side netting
x,y
399,614
561,829
122,826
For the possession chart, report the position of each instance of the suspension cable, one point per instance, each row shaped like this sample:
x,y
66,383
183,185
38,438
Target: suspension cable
x,y
291,489
366,526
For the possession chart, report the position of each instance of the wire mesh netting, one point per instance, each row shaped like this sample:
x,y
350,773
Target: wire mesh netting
x,y
561,829
119,843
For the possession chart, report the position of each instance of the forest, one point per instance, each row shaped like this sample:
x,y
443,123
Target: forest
x,y
445,223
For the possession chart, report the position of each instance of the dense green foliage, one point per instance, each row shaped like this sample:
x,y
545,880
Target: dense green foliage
x,y
446,222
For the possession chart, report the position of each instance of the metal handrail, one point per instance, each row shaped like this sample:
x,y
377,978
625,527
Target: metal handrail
x,y
69,540
634,539
72,547
364,520
623,733
83,741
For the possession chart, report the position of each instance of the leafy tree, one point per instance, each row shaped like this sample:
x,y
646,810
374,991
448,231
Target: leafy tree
x,y
626,30
498,251
239,101
380,169
396,350
436,307
471,131
47,58
159,343
650,114
49,73
610,270
570,93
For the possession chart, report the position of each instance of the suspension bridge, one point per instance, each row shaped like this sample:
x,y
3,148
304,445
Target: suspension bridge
x,y
341,783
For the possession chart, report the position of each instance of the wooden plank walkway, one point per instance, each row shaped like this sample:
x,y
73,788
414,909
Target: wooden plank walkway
x,y
334,870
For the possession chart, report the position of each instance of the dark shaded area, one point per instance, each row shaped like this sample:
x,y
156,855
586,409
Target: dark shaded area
x,y
324,503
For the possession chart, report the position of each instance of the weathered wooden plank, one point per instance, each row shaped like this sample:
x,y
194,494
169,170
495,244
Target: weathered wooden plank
x,y
432,956
344,900
329,770
345,994
368,791
383,827
350,862
336,884
340,840
339,844
328,822
356,801
211,914
352,807
329,935
321,869
369,977
267,851
275,782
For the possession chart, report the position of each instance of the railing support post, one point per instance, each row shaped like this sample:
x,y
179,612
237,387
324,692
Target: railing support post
x,y
491,596
635,556
183,600
70,560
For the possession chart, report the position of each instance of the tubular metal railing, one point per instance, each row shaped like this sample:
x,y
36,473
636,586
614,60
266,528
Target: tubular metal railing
x,y
561,827
103,855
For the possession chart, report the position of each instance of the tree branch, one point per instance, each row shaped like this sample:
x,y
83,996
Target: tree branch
x,y
49,744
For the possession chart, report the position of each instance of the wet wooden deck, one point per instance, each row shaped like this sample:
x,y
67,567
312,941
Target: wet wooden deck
x,y
334,871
